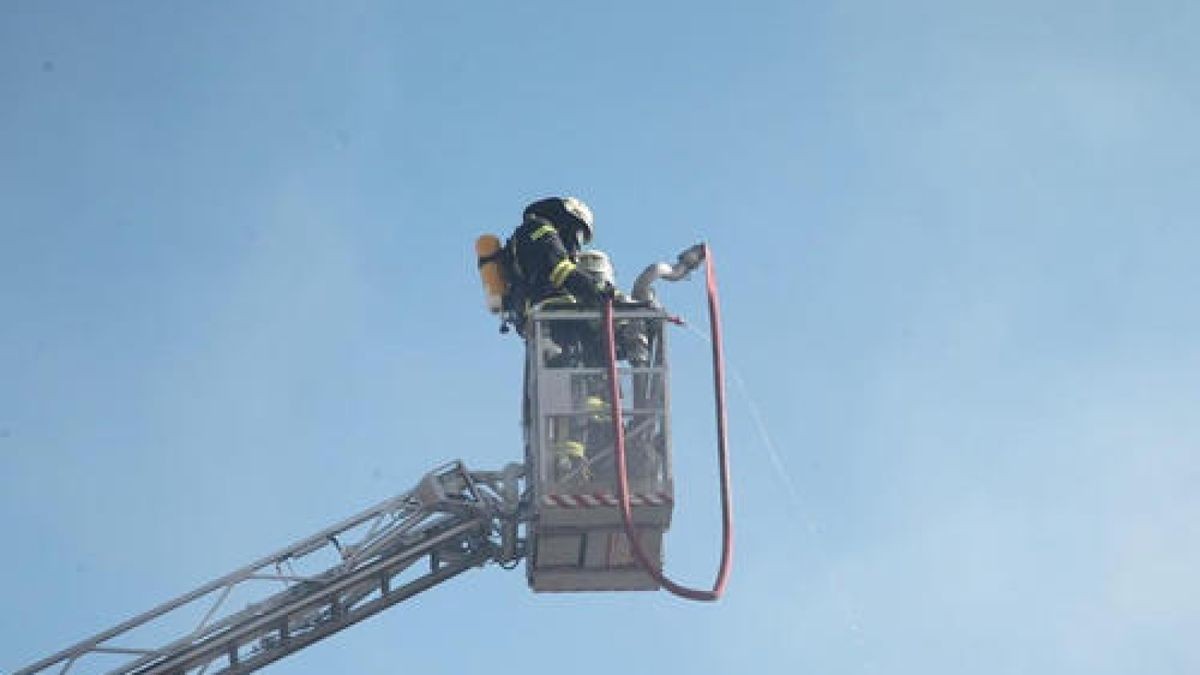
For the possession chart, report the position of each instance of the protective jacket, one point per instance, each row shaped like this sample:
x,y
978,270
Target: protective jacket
x,y
543,268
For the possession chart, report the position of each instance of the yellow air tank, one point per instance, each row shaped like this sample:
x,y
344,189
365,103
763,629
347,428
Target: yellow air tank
x,y
491,272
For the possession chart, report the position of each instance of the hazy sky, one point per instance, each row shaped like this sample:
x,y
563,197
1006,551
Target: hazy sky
x,y
957,244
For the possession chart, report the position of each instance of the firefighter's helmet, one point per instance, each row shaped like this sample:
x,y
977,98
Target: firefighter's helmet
x,y
570,215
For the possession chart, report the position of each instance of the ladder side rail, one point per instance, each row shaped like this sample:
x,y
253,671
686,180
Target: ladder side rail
x,y
314,587
444,498
298,549
334,605
405,592
400,512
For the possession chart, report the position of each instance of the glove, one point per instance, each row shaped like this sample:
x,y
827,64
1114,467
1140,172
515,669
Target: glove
x,y
606,290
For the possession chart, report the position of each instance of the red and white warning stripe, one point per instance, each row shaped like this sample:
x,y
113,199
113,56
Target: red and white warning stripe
x,y
605,499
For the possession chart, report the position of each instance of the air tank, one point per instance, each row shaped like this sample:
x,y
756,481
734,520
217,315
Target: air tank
x,y
491,271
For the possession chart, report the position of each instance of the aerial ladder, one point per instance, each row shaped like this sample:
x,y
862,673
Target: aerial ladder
x,y
585,511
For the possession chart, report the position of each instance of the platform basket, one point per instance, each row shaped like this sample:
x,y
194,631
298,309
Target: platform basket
x,y
577,540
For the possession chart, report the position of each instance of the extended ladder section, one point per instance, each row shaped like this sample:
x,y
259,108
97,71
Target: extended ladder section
x,y
453,520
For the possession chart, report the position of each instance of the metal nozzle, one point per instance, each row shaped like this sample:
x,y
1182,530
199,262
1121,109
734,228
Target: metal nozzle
x,y
687,261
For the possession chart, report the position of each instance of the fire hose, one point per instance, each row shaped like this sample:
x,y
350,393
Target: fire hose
x,y
635,544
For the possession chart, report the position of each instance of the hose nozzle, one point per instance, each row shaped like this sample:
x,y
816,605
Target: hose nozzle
x,y
687,261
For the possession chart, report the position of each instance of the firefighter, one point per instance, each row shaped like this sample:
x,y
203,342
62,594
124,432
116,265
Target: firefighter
x,y
544,251
543,259
544,256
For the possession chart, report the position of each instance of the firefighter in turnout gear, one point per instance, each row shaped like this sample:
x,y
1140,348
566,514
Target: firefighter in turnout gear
x,y
545,249
546,273
543,266
544,254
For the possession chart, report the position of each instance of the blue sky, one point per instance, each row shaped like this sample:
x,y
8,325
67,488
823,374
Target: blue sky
x,y
956,242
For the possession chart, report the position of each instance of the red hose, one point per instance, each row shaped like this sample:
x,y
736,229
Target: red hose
x,y
635,543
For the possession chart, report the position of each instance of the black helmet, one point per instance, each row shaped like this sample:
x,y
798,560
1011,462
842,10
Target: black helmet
x,y
568,214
